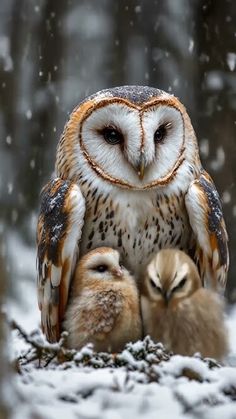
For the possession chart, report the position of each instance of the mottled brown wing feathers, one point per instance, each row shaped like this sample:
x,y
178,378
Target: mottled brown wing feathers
x,y
59,230
206,219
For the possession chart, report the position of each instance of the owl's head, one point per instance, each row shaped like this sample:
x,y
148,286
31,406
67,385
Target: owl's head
x,y
99,265
133,137
171,276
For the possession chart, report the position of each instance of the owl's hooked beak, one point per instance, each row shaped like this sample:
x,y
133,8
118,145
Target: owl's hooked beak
x,y
141,166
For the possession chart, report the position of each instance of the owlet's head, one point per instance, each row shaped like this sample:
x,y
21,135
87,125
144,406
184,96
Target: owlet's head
x,y
100,265
171,276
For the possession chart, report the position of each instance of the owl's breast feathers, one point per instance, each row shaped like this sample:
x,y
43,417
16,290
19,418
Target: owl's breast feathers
x,y
136,225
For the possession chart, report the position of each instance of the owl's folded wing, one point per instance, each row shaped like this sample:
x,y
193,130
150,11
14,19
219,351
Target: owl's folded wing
x,y
59,230
207,222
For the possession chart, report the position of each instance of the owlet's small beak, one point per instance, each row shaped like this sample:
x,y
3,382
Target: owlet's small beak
x,y
117,272
141,166
167,296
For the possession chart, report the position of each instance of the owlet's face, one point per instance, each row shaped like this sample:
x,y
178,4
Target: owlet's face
x,y
134,137
101,264
171,276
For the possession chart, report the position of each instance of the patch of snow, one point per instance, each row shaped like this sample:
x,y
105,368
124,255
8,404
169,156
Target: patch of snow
x,y
179,388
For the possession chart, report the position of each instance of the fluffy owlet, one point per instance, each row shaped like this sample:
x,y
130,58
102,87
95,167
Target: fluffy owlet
x,y
104,304
178,311
127,176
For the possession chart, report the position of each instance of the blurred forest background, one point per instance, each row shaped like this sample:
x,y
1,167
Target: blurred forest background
x,y
53,53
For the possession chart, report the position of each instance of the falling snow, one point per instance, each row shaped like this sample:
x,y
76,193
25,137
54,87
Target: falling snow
x,y
219,160
5,55
8,140
28,114
50,59
231,60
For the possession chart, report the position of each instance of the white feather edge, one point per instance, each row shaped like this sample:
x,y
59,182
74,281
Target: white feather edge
x,y
70,248
197,215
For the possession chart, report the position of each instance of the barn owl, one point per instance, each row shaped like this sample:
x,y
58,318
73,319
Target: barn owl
x,y
127,176
104,304
178,311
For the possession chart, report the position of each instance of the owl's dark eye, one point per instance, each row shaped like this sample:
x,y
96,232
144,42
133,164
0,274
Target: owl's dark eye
x,y
101,268
159,134
112,136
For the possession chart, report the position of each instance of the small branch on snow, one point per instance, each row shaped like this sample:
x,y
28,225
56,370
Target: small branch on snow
x,y
42,350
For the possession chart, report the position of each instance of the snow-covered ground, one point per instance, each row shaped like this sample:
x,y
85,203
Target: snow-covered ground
x,y
179,387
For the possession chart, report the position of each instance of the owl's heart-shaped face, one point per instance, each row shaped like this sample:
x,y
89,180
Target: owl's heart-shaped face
x,y
134,146
133,140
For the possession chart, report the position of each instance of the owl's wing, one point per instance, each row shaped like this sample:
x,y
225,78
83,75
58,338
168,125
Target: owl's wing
x,y
207,222
58,232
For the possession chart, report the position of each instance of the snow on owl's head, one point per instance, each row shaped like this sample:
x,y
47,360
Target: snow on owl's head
x,y
133,137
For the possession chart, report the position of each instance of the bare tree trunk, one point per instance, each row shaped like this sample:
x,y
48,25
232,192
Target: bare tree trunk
x,y
216,105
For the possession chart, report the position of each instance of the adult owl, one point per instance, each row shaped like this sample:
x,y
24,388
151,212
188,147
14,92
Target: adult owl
x,y
127,176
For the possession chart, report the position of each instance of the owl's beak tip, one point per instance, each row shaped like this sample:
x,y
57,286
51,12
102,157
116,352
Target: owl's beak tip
x,y
141,167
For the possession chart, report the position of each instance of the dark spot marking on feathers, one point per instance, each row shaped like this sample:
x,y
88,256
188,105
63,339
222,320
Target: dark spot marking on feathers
x,y
96,204
120,238
94,192
105,199
91,235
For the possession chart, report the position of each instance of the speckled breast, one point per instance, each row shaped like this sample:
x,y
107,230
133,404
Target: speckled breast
x,y
137,228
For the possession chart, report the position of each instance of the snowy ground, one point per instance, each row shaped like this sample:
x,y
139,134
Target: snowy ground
x,y
180,387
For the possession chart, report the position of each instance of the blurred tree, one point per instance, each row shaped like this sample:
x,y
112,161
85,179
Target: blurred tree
x,y
216,105
5,390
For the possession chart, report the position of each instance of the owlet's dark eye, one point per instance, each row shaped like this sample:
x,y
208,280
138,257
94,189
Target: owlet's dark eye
x,y
155,286
159,134
101,268
112,135
180,284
